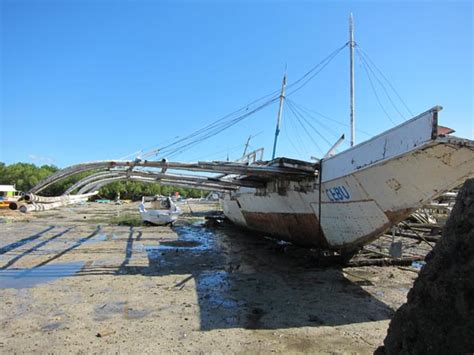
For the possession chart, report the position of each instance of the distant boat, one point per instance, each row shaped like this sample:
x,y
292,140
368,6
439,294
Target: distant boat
x,y
162,212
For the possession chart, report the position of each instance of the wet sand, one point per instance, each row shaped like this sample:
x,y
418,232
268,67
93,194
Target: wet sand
x,y
71,282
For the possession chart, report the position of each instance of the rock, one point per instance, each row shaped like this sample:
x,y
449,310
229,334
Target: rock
x,y
438,317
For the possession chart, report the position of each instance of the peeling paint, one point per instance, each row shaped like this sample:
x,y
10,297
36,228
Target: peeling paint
x,y
378,197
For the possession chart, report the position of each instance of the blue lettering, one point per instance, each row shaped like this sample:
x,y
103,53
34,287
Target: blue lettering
x,y
338,193
345,193
329,196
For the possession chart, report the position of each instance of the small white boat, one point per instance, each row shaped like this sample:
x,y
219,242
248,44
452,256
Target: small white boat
x,y
162,212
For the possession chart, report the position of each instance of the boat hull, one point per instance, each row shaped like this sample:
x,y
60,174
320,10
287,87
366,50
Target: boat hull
x,y
348,206
159,219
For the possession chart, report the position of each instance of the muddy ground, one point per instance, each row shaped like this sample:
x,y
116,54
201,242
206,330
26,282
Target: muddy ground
x,y
72,282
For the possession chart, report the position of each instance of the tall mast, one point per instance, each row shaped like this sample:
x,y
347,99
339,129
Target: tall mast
x,y
280,112
351,51
247,145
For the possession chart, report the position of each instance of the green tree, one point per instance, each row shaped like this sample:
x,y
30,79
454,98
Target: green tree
x,y
25,175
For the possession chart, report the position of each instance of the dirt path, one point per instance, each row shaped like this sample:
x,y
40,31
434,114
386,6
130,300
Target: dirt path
x,y
69,282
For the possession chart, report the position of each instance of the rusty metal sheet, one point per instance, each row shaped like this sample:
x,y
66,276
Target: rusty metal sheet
x,y
301,229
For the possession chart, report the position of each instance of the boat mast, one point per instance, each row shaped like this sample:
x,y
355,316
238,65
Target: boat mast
x,y
351,51
280,112
247,145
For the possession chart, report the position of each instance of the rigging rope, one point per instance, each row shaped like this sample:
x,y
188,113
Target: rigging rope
x,y
309,112
215,131
366,56
323,65
375,91
299,117
295,147
303,112
299,112
230,120
381,84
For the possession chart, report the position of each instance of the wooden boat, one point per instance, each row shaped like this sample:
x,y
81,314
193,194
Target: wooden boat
x,y
358,194
339,202
162,212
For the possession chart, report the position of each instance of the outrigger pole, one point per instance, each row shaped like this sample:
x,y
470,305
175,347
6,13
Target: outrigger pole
x,y
280,112
351,51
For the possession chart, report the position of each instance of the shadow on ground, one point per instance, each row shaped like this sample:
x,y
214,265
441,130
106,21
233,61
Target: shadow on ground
x,y
241,281
254,283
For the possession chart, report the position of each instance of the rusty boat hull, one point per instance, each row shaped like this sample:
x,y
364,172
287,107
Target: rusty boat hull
x,y
339,203
357,195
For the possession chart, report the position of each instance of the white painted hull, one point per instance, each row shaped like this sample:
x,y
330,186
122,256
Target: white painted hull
x,y
159,219
349,206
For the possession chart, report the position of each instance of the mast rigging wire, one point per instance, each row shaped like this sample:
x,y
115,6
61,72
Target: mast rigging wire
x,y
382,85
364,53
310,124
299,117
303,112
364,65
227,121
295,147
309,112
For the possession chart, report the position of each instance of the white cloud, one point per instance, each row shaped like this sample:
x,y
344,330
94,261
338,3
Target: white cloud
x,y
40,158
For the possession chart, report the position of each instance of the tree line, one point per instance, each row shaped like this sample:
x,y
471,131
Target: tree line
x,y
25,175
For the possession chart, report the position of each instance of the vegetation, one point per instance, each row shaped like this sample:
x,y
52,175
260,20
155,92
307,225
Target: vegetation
x,y
130,220
24,176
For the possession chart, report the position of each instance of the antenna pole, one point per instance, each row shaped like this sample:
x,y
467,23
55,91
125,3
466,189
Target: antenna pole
x,y
247,145
280,112
351,51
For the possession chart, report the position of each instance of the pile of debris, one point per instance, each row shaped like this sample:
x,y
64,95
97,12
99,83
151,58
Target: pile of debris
x,y
439,314
437,211
32,202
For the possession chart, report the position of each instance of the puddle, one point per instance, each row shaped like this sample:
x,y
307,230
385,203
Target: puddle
x,y
213,286
130,313
181,244
192,238
27,278
221,305
193,242
213,280
53,326
109,310
97,238
196,234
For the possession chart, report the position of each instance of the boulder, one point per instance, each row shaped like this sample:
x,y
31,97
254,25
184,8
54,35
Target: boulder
x,y
438,317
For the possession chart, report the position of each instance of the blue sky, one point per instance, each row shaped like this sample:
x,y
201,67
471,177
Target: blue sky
x,y
92,80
